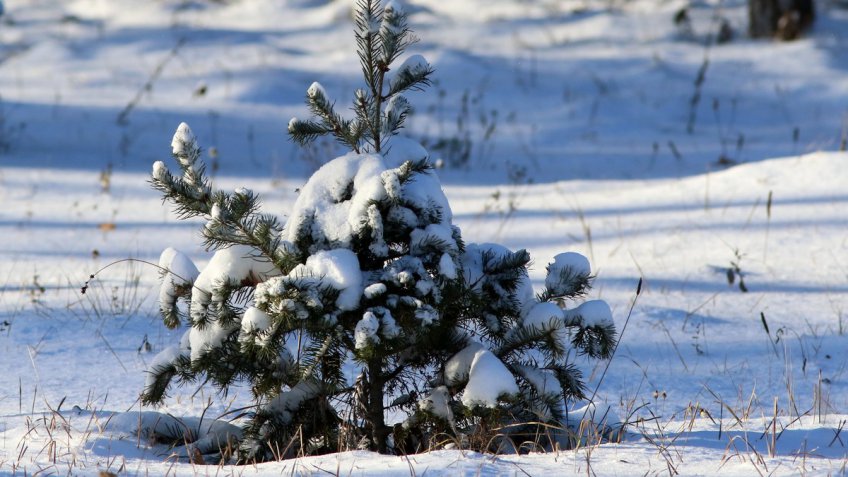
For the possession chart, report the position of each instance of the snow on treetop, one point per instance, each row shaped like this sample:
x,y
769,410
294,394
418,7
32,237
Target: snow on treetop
x,y
253,320
160,171
401,149
366,330
335,198
315,90
338,268
488,378
374,290
590,313
229,265
178,271
393,6
575,262
472,268
433,232
178,266
543,314
414,64
390,11
543,380
292,124
183,138
458,367
438,403
566,274
425,191
337,203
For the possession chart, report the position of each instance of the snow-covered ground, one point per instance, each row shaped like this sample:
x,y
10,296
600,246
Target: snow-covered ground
x,y
563,125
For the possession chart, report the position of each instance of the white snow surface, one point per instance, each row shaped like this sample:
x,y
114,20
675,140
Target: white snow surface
x,y
588,104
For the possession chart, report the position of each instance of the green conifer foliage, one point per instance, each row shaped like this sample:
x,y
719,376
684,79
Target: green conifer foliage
x,y
366,301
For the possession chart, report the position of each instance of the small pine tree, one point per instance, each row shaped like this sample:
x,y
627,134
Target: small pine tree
x,y
367,300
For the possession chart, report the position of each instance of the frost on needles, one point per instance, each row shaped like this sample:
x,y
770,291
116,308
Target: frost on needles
x,y
367,303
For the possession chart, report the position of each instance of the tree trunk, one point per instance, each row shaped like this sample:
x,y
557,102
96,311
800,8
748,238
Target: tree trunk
x,y
762,18
783,19
379,431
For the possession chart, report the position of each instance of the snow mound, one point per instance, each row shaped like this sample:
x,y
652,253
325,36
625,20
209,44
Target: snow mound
x,y
206,436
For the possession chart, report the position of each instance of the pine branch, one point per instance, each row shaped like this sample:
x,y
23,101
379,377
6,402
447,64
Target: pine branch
x,y
304,132
413,77
543,338
596,341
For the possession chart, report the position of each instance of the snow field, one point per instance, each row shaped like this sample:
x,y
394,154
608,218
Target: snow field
x,y
589,153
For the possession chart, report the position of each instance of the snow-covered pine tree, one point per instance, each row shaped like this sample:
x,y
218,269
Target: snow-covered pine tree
x,y
367,300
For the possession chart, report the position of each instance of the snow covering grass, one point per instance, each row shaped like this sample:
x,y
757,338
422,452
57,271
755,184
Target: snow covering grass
x,y
562,126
